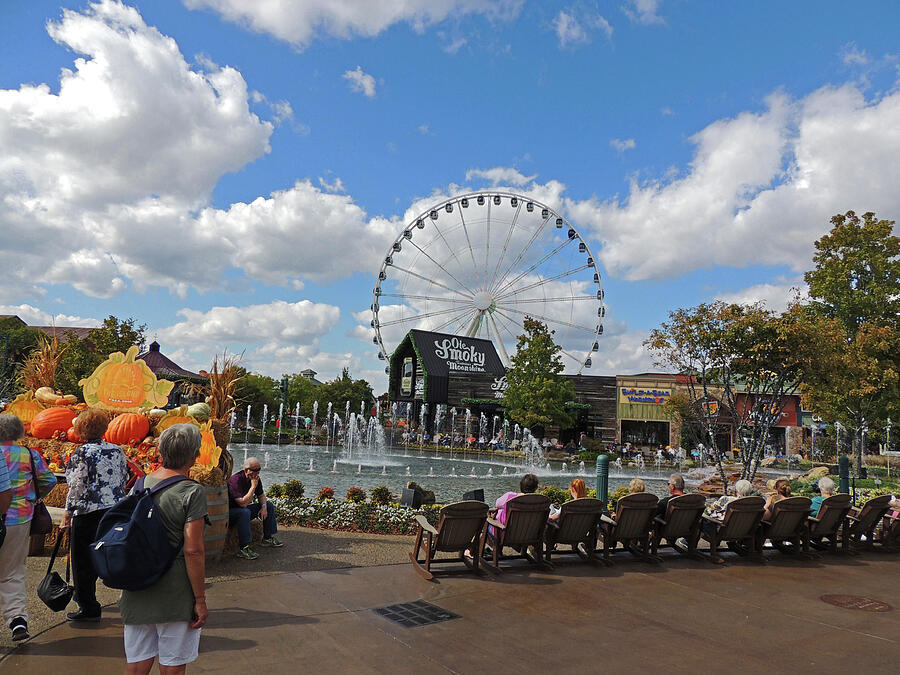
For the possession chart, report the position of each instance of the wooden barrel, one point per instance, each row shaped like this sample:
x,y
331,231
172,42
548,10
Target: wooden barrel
x,y
214,536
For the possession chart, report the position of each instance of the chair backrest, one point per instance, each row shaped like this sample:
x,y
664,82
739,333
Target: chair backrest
x,y
741,517
577,519
526,518
460,523
831,514
871,512
788,517
634,514
682,514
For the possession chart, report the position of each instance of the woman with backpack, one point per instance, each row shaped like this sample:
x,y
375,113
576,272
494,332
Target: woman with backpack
x,y
96,475
26,469
164,620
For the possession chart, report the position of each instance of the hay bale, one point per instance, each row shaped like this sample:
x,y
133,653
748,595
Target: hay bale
x,y
231,539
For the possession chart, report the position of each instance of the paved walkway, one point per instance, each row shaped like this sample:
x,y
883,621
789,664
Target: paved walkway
x,y
680,616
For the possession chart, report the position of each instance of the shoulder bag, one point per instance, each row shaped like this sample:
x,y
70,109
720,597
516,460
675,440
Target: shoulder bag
x,y
53,591
41,522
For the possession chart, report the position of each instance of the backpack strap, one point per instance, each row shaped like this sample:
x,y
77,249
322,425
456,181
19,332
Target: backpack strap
x,y
166,482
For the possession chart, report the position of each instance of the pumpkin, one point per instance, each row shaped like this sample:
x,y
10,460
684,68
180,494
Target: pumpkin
x,y
127,429
124,384
176,416
209,451
51,421
72,437
24,407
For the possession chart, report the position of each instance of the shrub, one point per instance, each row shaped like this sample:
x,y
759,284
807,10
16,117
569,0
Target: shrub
x,y
617,494
356,495
275,490
381,494
557,495
293,489
587,456
325,493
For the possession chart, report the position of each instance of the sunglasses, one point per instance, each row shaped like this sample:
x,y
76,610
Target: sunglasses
x,y
254,470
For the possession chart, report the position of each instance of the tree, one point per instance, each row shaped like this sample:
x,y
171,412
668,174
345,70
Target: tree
x,y
745,360
536,392
302,390
256,391
856,283
343,389
81,357
17,341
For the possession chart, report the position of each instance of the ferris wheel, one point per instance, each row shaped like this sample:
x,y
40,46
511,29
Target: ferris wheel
x,y
478,264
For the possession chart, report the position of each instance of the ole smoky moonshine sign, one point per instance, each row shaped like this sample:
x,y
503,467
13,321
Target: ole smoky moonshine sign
x,y
460,355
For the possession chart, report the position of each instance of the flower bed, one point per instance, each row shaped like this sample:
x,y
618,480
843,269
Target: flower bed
x,y
354,517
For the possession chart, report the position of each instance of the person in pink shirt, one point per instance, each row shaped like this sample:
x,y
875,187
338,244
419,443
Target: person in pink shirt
x,y
528,485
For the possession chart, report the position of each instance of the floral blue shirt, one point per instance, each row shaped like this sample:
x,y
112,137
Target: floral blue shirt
x,y
97,474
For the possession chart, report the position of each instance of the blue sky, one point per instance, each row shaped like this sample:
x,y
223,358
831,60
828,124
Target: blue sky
x,y
233,176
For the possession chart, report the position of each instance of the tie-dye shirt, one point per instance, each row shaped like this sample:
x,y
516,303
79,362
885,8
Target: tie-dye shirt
x,y
18,465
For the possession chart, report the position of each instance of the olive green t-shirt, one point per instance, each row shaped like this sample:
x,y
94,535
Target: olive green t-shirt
x,y
171,598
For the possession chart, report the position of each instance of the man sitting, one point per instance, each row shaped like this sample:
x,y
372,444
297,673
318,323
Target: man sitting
x,y
676,489
826,489
246,500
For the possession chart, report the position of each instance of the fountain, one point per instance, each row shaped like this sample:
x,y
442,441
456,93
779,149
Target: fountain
x,y
581,469
315,414
423,418
334,467
328,427
296,421
565,468
505,473
266,465
358,468
618,464
453,472
247,427
311,468
245,454
384,470
452,427
473,474
265,416
278,424
431,472
288,467
490,473
407,471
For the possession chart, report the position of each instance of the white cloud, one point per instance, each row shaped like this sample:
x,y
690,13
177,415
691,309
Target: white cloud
x,y
455,45
301,22
424,129
572,29
775,296
852,55
361,82
38,317
620,145
500,174
759,190
135,137
643,11
666,111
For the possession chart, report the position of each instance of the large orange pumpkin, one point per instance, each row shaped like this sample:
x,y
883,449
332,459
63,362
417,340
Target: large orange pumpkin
x,y
52,421
126,428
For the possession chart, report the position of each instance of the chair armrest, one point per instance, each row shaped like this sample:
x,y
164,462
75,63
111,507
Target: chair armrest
x,y
660,520
813,519
853,518
496,523
712,519
425,525
606,519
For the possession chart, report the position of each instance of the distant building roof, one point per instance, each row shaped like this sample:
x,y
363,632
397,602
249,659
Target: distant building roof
x,y
61,332
310,375
163,366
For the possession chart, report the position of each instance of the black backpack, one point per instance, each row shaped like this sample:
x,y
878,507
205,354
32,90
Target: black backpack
x,y
132,551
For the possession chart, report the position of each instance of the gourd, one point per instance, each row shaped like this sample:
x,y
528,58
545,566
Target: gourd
x,y
127,429
72,437
51,421
176,416
200,412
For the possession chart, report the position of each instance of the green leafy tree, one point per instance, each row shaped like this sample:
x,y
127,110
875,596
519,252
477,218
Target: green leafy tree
x,y
303,390
856,283
257,390
81,357
343,389
536,392
17,341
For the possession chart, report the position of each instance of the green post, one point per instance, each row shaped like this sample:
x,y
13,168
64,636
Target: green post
x,y
603,478
844,474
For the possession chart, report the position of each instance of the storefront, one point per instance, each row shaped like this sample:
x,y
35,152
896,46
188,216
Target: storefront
x,y
642,419
786,434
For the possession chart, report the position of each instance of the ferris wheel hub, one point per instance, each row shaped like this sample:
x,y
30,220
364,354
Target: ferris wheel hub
x,y
484,301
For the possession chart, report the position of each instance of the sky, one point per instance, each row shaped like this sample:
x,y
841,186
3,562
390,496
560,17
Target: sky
x,y
232,173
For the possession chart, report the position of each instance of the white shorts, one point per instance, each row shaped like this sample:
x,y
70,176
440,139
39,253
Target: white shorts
x,y
175,643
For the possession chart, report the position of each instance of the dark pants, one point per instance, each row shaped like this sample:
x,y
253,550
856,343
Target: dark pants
x,y
84,577
242,517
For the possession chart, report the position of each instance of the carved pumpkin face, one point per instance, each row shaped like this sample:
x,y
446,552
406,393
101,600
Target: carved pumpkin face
x,y
123,384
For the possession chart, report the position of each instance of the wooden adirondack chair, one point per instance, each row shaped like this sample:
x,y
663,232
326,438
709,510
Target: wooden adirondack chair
x,y
738,526
862,523
827,523
633,522
458,530
890,532
787,524
526,520
683,516
577,524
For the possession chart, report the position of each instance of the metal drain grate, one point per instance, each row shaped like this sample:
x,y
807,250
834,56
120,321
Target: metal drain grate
x,y
418,613
856,602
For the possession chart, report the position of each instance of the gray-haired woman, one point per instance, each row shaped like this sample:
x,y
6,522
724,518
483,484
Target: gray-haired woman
x,y
164,620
